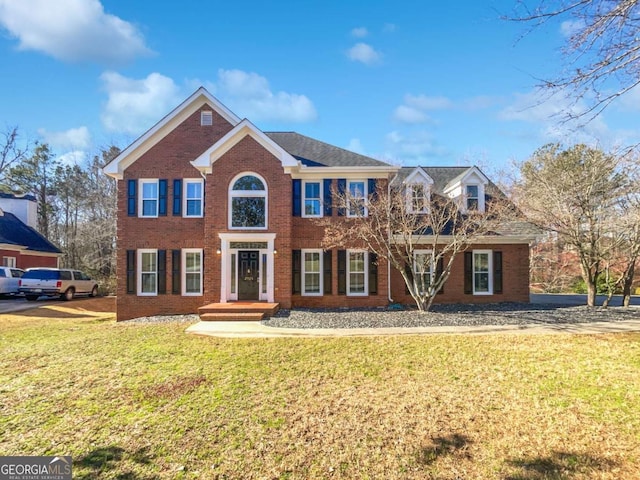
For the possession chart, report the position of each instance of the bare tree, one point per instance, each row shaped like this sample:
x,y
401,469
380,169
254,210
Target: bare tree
x,y
398,233
575,193
602,50
10,152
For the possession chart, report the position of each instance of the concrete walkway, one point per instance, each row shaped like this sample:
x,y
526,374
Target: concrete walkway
x,y
257,330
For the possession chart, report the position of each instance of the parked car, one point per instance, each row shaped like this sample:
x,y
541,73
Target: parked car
x,y
9,279
53,282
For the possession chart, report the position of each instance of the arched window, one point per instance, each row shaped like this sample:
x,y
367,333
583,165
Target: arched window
x,y
248,202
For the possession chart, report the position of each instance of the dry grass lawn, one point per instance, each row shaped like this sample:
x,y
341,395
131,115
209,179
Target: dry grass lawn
x,y
149,402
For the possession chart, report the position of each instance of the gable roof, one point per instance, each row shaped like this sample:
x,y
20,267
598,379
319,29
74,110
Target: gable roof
x,y
443,177
206,159
314,153
15,232
200,97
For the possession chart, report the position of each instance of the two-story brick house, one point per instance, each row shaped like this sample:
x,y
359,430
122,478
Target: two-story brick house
x,y
212,209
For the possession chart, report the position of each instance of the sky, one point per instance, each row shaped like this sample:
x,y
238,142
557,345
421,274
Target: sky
x,y
429,83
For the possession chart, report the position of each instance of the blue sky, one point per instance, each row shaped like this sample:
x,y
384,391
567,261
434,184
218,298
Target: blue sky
x,y
418,83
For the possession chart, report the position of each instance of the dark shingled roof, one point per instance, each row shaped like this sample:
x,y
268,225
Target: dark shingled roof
x,y
441,176
15,232
314,153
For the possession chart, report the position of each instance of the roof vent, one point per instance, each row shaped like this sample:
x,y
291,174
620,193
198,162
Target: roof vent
x,y
206,118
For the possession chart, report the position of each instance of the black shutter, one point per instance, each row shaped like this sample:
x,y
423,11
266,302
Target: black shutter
x,y
177,197
326,261
132,197
439,270
408,269
342,189
296,281
176,259
296,199
468,272
372,188
326,192
162,271
342,272
131,271
162,197
373,273
497,272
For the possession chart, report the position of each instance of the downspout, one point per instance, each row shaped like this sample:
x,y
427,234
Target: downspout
x,y
389,233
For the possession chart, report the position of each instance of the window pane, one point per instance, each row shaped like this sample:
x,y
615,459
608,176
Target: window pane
x,y
194,190
356,189
356,262
312,190
150,190
312,262
148,262
148,283
312,207
481,262
472,191
482,282
356,282
248,182
192,283
233,273
248,212
312,283
194,207
149,208
192,261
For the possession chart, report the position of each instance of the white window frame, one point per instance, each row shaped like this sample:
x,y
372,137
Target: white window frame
x,y
206,118
9,262
185,197
431,267
426,201
248,193
304,198
366,274
320,272
139,273
185,252
489,254
365,196
141,183
480,198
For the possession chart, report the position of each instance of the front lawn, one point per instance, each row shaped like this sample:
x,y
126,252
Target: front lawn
x,y
147,401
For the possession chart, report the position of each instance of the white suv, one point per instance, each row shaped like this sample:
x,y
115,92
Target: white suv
x,y
53,282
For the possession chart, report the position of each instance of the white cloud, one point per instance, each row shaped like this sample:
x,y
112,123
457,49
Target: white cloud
x,y
424,102
389,28
72,30
406,114
359,32
249,95
74,138
355,145
135,105
362,52
75,157
570,27
416,146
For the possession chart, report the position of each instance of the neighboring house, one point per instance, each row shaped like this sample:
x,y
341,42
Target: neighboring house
x,y
212,209
21,245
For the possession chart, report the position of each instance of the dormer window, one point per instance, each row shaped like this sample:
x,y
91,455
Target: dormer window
x,y
418,198
472,197
206,118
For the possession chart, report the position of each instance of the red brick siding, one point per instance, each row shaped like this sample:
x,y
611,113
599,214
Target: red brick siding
x,y
24,260
515,279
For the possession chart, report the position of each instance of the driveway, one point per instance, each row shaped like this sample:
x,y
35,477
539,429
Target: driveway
x,y
575,299
16,304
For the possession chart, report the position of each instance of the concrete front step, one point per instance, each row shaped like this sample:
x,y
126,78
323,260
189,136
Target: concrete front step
x,y
265,308
232,316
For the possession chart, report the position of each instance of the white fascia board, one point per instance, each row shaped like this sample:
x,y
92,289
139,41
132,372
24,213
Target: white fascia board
x,y
205,161
463,179
355,172
118,165
418,176
483,240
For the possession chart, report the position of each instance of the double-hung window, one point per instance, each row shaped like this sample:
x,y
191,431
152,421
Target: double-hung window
x,y
357,273
357,190
482,272
418,198
423,269
147,272
192,271
149,198
312,272
472,197
312,196
193,197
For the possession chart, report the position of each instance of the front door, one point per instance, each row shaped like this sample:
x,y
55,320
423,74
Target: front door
x,y
248,275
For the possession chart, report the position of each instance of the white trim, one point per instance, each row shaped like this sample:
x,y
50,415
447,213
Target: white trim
x,y
231,194
480,198
481,240
183,273
365,184
206,118
489,254
9,262
304,198
151,137
225,260
303,272
185,198
366,273
205,161
418,176
139,272
351,172
426,198
141,183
